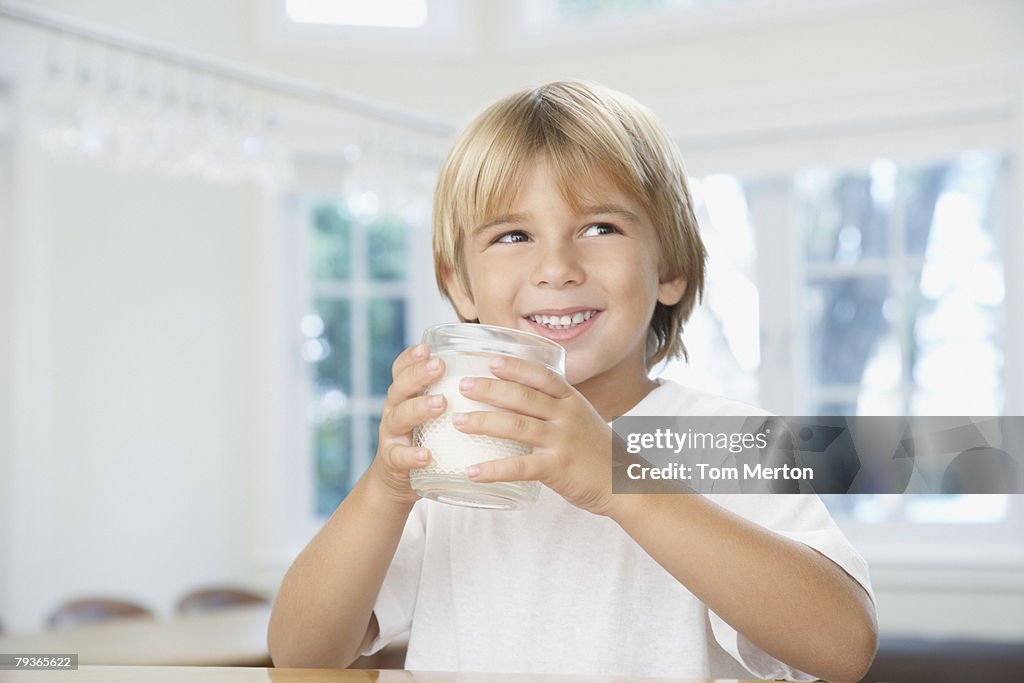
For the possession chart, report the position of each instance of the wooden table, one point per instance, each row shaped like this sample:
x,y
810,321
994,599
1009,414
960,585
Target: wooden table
x,y
231,636
176,674
234,636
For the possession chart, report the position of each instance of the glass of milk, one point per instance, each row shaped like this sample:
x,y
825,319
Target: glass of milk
x,y
467,349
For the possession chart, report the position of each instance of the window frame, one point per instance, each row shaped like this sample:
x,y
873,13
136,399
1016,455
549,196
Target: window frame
x,y
902,551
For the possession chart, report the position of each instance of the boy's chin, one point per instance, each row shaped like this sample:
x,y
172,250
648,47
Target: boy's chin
x,y
575,374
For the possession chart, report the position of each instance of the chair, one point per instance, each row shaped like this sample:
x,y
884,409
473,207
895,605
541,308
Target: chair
x,y
218,597
75,613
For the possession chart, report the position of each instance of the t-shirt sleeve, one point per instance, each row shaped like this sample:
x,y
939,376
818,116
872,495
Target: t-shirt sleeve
x,y
803,518
397,597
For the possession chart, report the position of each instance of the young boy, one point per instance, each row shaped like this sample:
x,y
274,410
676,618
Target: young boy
x,y
556,203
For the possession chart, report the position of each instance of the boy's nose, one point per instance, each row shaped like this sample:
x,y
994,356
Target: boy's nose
x,y
558,265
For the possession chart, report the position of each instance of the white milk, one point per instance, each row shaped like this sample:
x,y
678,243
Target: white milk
x,y
467,349
453,451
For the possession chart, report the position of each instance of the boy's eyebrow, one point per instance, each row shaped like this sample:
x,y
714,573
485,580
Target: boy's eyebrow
x,y
513,218
617,209
595,210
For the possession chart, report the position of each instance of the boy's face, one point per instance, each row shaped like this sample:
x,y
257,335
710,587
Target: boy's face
x,y
541,262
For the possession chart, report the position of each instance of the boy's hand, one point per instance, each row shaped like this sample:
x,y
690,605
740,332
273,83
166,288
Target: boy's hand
x,y
404,408
572,443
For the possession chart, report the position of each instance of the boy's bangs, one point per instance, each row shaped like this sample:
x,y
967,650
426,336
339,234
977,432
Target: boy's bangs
x,y
580,174
496,188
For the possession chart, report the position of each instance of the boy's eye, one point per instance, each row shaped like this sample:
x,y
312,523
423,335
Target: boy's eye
x,y
513,237
600,229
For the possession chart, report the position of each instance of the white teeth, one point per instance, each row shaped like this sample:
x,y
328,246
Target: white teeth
x,y
561,322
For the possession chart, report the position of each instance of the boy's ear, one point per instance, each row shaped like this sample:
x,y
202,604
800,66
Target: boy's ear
x,y
671,291
460,297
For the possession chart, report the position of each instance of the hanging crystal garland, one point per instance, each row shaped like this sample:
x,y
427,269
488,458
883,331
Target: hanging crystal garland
x,y
390,170
141,114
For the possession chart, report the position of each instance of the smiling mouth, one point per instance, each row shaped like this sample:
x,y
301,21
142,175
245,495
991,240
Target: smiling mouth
x,y
562,322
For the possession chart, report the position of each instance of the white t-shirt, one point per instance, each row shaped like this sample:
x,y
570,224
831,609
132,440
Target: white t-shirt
x,y
555,589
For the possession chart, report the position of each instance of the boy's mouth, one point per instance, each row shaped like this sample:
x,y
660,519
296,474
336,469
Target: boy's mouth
x,y
562,325
562,322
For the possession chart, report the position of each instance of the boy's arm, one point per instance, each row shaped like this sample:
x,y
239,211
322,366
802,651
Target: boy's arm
x,y
323,613
785,597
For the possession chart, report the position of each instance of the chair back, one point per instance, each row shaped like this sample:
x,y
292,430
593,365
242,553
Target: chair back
x,y
75,613
216,598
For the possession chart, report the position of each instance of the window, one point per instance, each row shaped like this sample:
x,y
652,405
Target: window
x,y
882,292
903,282
356,327
357,228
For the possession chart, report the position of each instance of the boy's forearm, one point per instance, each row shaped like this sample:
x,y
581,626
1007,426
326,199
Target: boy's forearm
x,y
788,599
323,607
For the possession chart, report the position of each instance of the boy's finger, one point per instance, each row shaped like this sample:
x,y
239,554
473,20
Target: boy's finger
x,y
522,428
413,354
407,414
532,374
517,468
509,395
404,457
414,379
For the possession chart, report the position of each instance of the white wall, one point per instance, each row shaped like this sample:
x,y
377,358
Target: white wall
x,y
133,390
6,284
135,384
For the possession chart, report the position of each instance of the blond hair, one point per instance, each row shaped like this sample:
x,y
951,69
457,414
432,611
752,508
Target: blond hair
x,y
586,132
